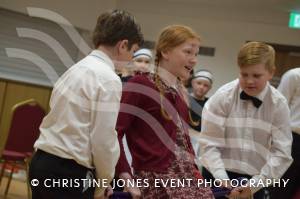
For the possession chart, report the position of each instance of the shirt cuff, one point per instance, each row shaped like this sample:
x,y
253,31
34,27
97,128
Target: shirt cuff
x,y
99,191
220,174
255,181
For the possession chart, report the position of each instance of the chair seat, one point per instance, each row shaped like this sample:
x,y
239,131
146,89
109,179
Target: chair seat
x,y
26,118
28,154
13,155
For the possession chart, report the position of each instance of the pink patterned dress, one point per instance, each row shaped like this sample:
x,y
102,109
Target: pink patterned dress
x,y
182,168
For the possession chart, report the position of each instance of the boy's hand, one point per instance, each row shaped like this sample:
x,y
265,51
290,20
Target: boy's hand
x,y
108,192
234,193
134,191
241,192
226,184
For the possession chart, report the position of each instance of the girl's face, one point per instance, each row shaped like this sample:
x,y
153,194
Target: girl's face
x,y
182,59
200,87
142,64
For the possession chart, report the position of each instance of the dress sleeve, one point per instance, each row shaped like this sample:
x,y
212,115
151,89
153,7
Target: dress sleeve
x,y
130,101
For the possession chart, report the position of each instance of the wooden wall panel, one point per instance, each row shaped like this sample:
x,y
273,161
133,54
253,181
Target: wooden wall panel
x,y
15,93
2,95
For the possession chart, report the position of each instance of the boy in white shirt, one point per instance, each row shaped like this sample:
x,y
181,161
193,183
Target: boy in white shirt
x,y
78,141
290,87
245,125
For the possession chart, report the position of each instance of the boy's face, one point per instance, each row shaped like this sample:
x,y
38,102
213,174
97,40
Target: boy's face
x,y
200,87
253,78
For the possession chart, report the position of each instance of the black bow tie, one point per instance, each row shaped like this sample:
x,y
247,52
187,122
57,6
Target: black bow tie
x,y
256,102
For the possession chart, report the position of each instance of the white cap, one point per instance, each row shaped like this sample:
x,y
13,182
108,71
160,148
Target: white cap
x,y
203,74
143,52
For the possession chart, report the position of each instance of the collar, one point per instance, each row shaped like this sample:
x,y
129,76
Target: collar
x,y
262,94
104,57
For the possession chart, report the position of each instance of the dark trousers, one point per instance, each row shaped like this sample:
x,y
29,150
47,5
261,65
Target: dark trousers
x,y
232,175
53,177
293,174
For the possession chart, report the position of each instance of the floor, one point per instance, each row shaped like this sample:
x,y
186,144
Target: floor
x,y
17,189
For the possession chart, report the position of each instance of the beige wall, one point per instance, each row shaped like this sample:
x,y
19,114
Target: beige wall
x,y
2,95
226,36
81,13
222,25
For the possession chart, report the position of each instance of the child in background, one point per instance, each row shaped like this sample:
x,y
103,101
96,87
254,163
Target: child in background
x,y
142,60
141,63
201,84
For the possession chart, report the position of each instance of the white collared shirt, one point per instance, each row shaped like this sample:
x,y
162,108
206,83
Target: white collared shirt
x,y
236,136
290,87
81,123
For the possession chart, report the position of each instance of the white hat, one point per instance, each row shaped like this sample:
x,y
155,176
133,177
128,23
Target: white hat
x,y
143,52
203,74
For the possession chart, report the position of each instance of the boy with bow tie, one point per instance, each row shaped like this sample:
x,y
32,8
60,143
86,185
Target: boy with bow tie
x,y
245,126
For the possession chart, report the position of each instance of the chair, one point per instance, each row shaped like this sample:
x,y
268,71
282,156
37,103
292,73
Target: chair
x,y
297,194
24,130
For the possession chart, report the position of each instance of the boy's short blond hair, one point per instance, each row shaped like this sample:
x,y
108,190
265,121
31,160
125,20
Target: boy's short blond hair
x,y
253,53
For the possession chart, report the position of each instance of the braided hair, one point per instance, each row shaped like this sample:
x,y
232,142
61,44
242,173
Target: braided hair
x,y
171,37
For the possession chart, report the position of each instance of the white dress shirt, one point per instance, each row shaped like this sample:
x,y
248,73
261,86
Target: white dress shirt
x,y
290,87
81,123
236,136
